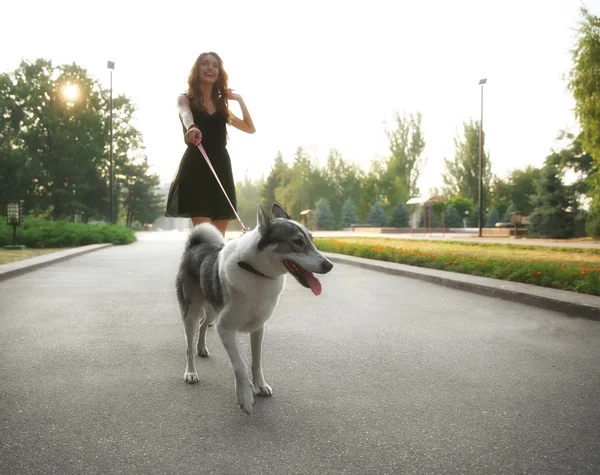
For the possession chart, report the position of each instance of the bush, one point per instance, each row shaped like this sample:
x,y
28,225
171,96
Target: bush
x,y
592,225
42,233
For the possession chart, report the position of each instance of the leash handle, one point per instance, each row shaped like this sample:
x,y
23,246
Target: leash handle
x,y
203,152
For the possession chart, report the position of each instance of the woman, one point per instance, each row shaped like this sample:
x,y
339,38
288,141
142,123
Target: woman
x,y
204,114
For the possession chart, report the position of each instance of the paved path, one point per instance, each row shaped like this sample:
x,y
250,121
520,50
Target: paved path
x,y
380,374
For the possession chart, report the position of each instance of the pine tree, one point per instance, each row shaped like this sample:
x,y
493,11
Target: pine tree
x,y
376,216
452,218
400,216
349,216
553,204
511,209
493,217
325,218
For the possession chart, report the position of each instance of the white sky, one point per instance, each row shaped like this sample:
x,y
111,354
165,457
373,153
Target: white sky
x,y
324,74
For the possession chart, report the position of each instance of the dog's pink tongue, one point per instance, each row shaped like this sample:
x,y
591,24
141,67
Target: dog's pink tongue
x,y
313,282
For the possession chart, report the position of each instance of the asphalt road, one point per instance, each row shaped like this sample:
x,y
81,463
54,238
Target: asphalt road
x,y
380,374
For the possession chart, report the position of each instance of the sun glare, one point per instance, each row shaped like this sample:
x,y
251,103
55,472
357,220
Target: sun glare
x,y
71,91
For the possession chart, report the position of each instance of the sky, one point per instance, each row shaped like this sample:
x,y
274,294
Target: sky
x,y
325,74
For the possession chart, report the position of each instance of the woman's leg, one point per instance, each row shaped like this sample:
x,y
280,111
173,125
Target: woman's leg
x,y
198,220
221,225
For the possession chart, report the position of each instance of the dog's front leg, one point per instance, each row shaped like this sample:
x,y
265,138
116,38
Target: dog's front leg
x,y
191,321
243,386
256,342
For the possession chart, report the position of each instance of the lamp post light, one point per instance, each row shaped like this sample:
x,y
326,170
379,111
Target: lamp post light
x,y
111,66
480,198
14,218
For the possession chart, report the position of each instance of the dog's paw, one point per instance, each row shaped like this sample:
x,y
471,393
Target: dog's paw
x,y
190,378
203,352
245,398
264,390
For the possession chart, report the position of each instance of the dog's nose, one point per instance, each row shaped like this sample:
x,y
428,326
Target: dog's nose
x,y
326,266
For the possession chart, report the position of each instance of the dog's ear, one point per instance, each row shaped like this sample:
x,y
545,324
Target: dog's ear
x,y
277,211
262,218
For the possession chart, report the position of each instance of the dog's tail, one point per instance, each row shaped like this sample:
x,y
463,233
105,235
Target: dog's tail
x,y
204,233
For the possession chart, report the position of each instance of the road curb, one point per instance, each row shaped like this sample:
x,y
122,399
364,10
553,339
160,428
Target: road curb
x,y
570,303
27,265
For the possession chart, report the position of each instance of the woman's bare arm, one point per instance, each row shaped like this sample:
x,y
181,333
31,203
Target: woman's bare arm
x,y
244,124
187,119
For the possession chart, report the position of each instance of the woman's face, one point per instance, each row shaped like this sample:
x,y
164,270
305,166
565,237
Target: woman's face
x,y
209,69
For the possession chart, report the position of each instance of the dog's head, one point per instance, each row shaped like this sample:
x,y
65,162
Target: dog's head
x,y
291,245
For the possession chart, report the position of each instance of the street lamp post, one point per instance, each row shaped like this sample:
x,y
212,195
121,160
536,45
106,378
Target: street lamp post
x,y
14,218
111,66
480,200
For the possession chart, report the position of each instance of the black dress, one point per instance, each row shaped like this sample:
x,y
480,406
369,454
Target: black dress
x,y
194,191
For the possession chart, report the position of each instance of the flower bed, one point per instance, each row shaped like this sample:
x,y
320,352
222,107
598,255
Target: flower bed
x,y
583,279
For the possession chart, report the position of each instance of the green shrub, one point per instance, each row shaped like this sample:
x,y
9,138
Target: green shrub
x,y
42,233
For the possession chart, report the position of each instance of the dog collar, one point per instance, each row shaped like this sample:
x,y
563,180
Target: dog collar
x,y
249,268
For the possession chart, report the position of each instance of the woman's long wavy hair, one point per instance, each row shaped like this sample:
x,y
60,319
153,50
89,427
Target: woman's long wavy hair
x,y
219,91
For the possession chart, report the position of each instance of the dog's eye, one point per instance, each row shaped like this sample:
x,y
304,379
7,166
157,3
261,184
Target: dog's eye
x,y
298,242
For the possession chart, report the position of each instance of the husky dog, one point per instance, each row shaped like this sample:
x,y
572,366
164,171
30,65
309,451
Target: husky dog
x,y
237,285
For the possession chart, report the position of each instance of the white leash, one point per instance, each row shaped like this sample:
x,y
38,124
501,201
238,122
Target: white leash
x,y
203,152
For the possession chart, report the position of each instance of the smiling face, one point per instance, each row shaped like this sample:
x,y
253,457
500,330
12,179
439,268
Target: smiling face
x,y
208,69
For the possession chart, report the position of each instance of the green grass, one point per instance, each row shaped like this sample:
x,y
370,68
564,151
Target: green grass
x,y
557,268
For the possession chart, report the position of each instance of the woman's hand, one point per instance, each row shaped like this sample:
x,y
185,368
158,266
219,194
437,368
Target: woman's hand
x,y
193,135
233,96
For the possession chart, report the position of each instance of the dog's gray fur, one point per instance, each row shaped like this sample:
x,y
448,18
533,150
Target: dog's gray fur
x,y
237,285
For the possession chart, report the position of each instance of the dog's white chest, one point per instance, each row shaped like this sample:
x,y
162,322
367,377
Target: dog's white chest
x,y
252,308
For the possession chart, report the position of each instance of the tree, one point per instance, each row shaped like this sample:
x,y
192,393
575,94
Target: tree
x,y
516,189
404,166
248,198
325,218
492,218
372,189
453,218
554,206
509,211
400,216
349,216
141,200
522,187
575,159
584,84
592,225
54,148
278,178
461,175
376,216
584,81
500,194
464,206
295,196
341,180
